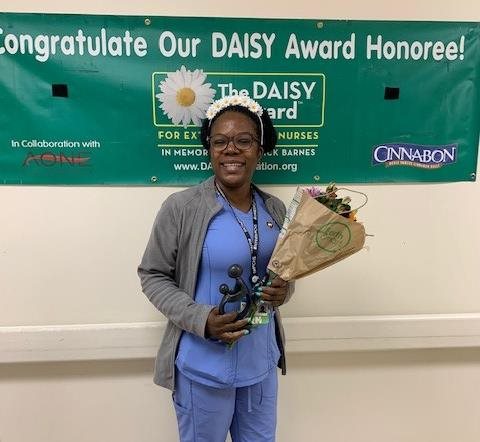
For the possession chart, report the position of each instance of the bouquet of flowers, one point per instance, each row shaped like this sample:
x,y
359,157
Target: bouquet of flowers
x,y
320,229
329,198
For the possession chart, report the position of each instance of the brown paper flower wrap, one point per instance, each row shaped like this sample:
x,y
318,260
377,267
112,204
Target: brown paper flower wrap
x,y
313,237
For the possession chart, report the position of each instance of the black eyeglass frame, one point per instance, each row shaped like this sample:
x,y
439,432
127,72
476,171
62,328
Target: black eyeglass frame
x,y
232,139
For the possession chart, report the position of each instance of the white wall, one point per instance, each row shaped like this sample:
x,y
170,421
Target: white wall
x,y
408,396
68,257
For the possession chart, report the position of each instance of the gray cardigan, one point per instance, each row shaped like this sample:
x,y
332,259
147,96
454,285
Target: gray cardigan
x,y
168,271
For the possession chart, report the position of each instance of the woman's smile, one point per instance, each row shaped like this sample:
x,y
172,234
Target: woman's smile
x,y
232,165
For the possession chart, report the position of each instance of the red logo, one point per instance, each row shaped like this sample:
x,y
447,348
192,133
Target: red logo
x,y
49,159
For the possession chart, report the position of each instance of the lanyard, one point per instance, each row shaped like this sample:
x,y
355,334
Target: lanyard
x,y
252,243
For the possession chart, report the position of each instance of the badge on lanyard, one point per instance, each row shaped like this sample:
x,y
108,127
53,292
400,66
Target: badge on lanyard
x,y
263,310
261,316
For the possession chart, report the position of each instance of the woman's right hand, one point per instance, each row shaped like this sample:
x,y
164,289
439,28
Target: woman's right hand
x,y
225,327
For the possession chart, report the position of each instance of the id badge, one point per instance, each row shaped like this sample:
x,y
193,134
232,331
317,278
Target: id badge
x,y
261,315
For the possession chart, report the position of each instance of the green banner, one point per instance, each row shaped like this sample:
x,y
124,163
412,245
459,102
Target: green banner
x,y
118,100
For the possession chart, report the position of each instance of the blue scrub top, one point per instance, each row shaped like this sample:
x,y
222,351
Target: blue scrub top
x,y
251,358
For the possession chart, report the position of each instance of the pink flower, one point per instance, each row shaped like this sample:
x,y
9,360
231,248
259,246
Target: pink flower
x,y
314,191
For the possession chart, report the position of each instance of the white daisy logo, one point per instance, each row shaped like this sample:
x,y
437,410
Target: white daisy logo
x,y
185,97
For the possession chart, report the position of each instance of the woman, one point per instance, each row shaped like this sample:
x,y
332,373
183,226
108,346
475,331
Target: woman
x,y
223,373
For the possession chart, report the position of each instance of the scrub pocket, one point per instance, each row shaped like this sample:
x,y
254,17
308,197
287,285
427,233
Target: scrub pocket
x,y
203,413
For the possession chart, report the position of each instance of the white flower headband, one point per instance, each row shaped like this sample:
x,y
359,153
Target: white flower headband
x,y
236,100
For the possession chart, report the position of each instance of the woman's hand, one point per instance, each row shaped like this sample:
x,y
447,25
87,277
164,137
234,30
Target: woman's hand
x,y
275,293
225,327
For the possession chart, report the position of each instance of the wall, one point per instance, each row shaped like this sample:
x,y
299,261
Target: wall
x,y
77,336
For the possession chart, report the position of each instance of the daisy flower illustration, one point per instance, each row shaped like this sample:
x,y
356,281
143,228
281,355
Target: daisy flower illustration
x,y
185,97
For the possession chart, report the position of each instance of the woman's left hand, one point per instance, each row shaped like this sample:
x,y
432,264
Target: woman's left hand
x,y
276,292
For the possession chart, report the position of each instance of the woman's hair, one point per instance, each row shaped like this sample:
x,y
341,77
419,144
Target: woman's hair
x,y
269,132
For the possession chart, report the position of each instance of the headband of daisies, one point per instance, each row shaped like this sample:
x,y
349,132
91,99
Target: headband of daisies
x,y
236,100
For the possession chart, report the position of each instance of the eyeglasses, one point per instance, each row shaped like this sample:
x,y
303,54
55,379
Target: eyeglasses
x,y
242,141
